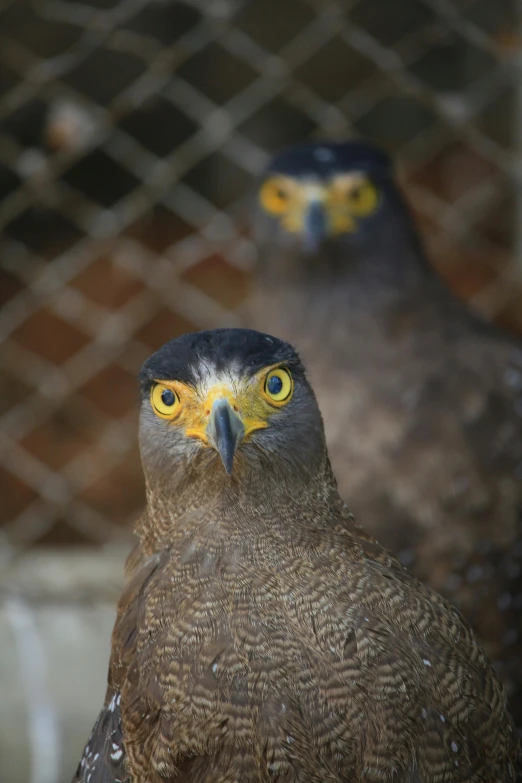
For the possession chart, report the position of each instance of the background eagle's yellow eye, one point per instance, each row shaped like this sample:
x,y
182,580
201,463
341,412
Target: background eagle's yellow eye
x,y
165,401
279,385
275,195
351,195
363,198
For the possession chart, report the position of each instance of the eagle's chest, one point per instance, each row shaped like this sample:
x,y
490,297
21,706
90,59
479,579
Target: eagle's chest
x,y
239,681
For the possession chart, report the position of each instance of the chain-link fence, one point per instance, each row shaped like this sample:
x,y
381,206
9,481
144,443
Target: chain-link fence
x,y
131,132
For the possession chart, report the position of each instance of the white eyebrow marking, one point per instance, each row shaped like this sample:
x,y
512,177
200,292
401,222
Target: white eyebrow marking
x,y
208,377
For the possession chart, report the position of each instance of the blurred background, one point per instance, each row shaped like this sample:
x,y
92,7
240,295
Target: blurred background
x,y
131,134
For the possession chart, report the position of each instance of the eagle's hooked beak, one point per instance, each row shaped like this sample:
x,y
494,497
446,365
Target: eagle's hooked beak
x,y
225,431
315,225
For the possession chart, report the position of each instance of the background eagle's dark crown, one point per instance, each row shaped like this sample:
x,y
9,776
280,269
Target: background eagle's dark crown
x,y
330,158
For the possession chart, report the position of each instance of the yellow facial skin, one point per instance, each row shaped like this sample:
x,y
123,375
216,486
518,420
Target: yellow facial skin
x,y
346,198
288,199
249,398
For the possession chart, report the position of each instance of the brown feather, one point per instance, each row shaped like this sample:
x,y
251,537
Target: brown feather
x,y
263,636
424,429
422,407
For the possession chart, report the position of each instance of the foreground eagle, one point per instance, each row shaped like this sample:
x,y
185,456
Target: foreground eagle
x,y
422,402
262,635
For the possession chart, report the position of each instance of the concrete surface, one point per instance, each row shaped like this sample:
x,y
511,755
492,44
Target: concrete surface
x,y
57,610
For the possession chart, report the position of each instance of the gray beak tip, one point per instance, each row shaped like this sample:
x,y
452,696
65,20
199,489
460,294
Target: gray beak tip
x,y
226,430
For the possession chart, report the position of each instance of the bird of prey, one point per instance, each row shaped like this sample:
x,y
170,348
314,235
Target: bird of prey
x,y
422,401
262,635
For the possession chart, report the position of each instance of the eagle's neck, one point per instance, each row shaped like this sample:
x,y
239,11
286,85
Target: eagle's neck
x,y
359,296
201,502
362,276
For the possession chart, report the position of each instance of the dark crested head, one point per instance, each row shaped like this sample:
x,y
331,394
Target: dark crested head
x,y
327,159
335,197
223,350
227,394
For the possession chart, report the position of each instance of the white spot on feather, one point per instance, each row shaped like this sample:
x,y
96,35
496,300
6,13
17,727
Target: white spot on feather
x,y
116,756
426,662
454,747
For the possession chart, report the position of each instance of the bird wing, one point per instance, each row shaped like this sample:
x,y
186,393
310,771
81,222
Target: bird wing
x,y
424,429
103,759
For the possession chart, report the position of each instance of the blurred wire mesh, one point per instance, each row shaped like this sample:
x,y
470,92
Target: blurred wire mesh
x,y
131,132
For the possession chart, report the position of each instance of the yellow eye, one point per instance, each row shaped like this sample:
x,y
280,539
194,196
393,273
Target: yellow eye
x,y
354,192
363,198
165,401
279,385
275,195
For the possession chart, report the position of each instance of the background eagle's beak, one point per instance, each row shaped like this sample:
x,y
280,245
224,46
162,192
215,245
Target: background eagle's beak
x,y
314,226
225,431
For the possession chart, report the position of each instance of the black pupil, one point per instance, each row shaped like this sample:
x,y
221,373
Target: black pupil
x,y
167,397
275,384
